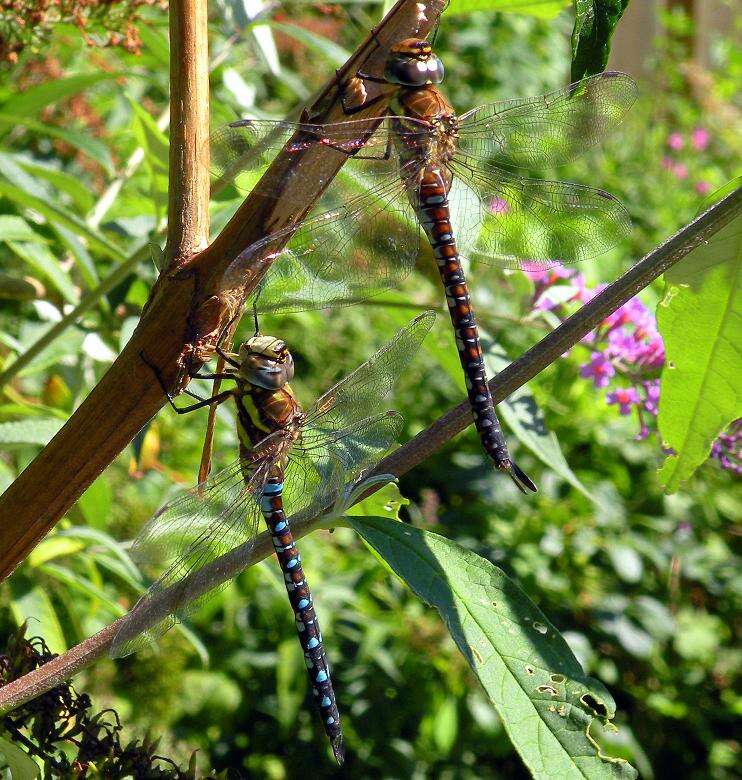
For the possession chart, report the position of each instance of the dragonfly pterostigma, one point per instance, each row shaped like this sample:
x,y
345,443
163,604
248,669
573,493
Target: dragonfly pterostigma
x,y
292,465
459,179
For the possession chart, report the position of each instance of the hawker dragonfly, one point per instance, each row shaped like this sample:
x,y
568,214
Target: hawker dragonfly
x,y
292,464
455,177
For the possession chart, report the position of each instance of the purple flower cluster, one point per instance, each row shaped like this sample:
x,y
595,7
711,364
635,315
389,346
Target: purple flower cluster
x,y
727,449
626,355
627,352
677,164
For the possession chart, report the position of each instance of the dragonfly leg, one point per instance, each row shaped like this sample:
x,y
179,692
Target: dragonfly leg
x,y
218,375
213,400
200,404
373,79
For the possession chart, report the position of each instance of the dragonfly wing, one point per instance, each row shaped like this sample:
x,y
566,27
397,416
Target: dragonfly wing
x,y
193,534
549,129
324,460
347,254
250,144
362,392
532,224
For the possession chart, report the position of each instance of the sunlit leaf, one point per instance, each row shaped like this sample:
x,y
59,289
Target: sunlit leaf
x,y
546,702
81,586
23,190
95,503
33,605
544,9
700,319
14,228
30,431
385,502
51,547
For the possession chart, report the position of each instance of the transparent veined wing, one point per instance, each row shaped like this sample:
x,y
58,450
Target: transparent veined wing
x,y
548,129
328,460
532,224
190,534
362,392
217,541
248,144
365,244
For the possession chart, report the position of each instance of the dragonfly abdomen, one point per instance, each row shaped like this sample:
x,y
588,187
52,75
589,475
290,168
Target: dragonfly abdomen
x,y
307,625
435,217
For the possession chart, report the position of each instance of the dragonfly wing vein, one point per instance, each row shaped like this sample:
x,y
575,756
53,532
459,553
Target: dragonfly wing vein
x,y
531,224
337,257
549,129
200,570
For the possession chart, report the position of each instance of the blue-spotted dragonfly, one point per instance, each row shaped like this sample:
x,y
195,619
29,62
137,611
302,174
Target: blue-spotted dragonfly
x,y
454,177
292,464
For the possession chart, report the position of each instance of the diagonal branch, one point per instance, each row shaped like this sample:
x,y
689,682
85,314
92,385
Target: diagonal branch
x,y
543,354
187,304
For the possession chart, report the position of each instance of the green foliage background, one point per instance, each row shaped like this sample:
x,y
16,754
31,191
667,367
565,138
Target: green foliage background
x,y
642,585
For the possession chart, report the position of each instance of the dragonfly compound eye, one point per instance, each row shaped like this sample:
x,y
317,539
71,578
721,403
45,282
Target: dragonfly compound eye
x,y
266,362
413,71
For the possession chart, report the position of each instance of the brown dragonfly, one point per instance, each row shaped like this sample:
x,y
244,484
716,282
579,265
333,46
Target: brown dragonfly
x,y
459,179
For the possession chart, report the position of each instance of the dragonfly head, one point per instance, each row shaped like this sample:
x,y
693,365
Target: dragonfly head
x,y
266,362
412,63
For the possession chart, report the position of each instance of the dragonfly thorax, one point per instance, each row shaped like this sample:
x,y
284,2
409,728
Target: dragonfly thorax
x,y
412,63
266,362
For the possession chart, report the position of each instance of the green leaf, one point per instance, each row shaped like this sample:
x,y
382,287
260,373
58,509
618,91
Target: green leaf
x,y
23,190
156,44
80,194
54,546
31,431
524,417
85,262
21,765
385,502
546,702
33,99
544,9
43,261
93,537
34,606
334,54
700,319
446,726
95,503
92,147
14,228
82,586
595,21
151,138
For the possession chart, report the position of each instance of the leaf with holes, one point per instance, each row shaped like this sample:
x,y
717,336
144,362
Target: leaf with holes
x,y
546,702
